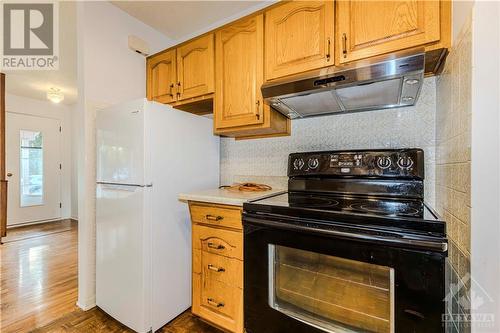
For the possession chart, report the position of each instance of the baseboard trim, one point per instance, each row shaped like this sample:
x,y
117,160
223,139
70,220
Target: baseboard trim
x,y
86,307
24,224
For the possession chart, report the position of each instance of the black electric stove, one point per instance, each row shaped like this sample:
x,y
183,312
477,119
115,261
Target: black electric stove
x,y
357,207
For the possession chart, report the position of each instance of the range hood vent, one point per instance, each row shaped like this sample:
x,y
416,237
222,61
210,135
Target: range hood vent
x,y
372,84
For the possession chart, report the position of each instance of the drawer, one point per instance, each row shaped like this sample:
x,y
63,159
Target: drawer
x,y
222,242
219,268
223,216
218,303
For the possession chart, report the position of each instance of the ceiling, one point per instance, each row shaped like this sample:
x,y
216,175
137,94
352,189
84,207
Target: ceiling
x,y
35,84
181,20
178,20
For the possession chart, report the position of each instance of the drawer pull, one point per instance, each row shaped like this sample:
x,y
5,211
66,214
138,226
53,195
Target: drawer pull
x,y
213,218
213,303
216,269
216,246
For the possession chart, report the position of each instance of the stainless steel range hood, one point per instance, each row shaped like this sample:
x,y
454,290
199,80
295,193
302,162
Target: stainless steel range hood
x,y
372,84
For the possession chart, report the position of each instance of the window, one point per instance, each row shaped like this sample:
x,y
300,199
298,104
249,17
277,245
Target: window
x,y
31,168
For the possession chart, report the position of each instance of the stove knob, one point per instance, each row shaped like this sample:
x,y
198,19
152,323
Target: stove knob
x,y
384,162
298,163
405,162
313,163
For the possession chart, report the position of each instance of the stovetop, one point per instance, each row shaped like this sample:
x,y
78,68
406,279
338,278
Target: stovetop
x,y
360,210
368,205
380,190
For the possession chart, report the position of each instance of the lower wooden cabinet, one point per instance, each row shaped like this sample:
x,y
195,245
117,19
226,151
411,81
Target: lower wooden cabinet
x,y
218,265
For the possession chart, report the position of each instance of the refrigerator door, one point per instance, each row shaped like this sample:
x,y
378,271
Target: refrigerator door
x,y
123,266
120,143
184,158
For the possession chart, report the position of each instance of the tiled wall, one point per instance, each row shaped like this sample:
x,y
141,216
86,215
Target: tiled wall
x,y
404,127
453,156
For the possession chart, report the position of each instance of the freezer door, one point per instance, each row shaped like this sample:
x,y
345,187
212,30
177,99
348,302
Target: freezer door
x,y
123,264
120,143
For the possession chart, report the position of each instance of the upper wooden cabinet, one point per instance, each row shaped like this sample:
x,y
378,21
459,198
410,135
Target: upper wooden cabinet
x,y
369,28
183,73
195,67
299,37
239,106
239,64
162,77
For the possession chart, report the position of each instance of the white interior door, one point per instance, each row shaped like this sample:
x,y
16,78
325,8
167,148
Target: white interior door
x,y
33,168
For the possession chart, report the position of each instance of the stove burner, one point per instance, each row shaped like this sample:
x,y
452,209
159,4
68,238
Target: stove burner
x,y
386,208
312,202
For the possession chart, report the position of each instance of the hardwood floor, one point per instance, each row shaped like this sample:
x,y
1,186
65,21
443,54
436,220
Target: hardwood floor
x,y
38,275
39,286
96,320
38,230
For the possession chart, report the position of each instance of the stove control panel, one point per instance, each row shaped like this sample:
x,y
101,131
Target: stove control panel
x,y
392,163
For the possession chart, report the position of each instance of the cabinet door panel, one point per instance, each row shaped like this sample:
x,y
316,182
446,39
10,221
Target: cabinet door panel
x,y
161,78
195,67
368,28
299,37
239,73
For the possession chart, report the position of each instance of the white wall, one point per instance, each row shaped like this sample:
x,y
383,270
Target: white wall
x,y
485,168
61,112
108,73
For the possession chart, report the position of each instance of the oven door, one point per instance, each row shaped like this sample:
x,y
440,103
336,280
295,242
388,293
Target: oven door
x,y
297,282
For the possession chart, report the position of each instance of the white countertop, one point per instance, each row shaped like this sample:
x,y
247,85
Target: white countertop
x,y
226,197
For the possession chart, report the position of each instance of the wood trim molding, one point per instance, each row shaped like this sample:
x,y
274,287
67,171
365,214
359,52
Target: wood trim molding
x,y
3,181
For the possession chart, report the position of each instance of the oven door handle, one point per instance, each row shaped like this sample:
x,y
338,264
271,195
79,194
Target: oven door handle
x,y
438,246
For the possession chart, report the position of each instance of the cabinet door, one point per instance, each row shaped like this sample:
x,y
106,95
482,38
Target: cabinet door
x,y
161,77
195,68
239,70
368,28
299,37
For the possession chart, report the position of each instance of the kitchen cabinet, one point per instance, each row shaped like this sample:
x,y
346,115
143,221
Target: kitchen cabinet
x,y
218,264
183,75
370,28
162,77
299,36
239,107
195,68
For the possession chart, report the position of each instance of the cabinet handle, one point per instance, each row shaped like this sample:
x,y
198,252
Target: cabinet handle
x,y
216,269
178,87
258,109
213,218
213,303
344,45
328,42
171,93
216,246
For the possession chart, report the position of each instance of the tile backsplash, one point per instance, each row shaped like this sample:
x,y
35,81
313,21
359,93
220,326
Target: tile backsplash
x,y
453,175
410,127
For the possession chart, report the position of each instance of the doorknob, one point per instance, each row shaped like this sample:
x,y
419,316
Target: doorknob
x,y
9,174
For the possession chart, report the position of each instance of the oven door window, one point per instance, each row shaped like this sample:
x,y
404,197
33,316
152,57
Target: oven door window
x,y
330,293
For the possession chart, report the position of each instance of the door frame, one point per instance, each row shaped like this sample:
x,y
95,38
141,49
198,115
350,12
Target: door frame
x,y
3,181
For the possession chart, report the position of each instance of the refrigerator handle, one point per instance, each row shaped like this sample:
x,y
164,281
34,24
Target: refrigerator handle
x,y
124,184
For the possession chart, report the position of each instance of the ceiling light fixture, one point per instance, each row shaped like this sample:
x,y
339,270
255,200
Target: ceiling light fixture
x,y
55,95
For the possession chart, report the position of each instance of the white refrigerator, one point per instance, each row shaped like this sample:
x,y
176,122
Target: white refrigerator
x,y
148,153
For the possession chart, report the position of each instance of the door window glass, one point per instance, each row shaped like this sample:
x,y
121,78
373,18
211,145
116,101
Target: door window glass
x,y
330,293
31,168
